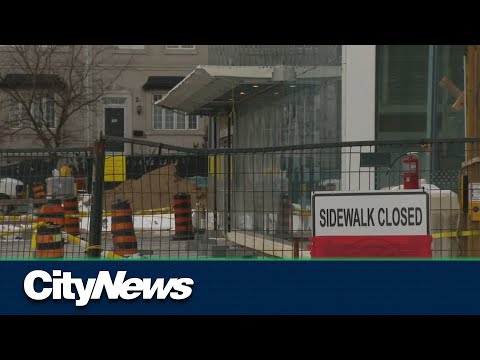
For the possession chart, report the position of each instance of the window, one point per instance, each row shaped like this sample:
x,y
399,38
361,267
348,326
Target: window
x,y
411,103
181,47
192,122
169,120
402,74
42,110
157,113
114,101
180,121
130,47
16,113
49,111
166,119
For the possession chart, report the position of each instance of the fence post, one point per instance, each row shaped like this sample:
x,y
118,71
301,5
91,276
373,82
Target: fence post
x,y
95,237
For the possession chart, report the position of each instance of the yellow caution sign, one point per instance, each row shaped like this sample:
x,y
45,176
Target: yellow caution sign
x,y
217,164
115,168
65,171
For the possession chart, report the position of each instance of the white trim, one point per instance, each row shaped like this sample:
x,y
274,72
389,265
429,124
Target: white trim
x,y
44,101
180,47
20,108
130,47
175,116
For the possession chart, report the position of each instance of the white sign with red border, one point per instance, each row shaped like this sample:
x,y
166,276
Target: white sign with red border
x,y
375,213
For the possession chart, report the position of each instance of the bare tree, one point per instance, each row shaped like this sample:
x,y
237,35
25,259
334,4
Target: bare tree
x,y
49,89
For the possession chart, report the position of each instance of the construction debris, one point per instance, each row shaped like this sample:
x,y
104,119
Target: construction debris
x,y
155,189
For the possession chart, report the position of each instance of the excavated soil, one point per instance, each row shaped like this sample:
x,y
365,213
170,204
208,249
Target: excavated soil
x,y
155,189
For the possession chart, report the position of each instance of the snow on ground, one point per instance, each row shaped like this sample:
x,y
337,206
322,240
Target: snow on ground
x,y
150,222
12,232
140,222
84,203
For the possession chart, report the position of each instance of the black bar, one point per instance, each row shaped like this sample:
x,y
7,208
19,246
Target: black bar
x,y
50,246
124,246
325,145
95,236
121,205
52,215
49,230
124,232
122,219
187,205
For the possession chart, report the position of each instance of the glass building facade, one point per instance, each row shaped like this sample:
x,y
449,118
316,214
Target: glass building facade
x,y
305,110
416,86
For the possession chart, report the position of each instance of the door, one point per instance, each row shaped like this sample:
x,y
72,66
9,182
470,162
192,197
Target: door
x,y
115,126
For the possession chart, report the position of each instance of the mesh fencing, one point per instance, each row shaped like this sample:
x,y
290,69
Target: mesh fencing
x,y
157,201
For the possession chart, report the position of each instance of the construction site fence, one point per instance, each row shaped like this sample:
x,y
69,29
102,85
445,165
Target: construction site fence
x,y
158,201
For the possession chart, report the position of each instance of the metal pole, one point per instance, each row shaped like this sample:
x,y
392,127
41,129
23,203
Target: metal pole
x,y
87,89
432,107
296,247
229,178
95,237
215,145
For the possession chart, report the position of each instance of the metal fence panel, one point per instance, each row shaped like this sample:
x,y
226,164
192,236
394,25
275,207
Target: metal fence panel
x,y
164,201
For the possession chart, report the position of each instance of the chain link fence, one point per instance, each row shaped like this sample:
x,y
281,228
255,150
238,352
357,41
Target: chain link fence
x,y
157,201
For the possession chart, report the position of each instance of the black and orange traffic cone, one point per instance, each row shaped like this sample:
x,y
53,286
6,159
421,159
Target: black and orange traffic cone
x,y
182,207
124,239
49,242
72,220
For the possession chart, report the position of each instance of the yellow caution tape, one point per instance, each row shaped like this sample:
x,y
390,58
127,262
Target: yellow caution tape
x,y
72,238
76,240
303,212
34,234
34,240
17,217
93,247
450,234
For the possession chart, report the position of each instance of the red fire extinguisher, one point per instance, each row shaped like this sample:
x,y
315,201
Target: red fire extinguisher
x,y
410,172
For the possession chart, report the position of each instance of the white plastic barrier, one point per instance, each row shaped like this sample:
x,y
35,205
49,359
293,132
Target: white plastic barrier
x,y
444,214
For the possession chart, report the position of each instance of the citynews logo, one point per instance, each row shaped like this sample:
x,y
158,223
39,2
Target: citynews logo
x,y
60,285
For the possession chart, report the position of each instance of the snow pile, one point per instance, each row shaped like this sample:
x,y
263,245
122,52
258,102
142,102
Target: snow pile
x,y
140,222
11,232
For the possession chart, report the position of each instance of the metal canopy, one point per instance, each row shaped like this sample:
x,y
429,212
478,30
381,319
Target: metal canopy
x,y
199,90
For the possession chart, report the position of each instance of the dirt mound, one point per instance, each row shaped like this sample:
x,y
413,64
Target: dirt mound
x,y
155,189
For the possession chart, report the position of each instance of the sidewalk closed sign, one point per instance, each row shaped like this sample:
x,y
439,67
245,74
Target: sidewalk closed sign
x,y
375,223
